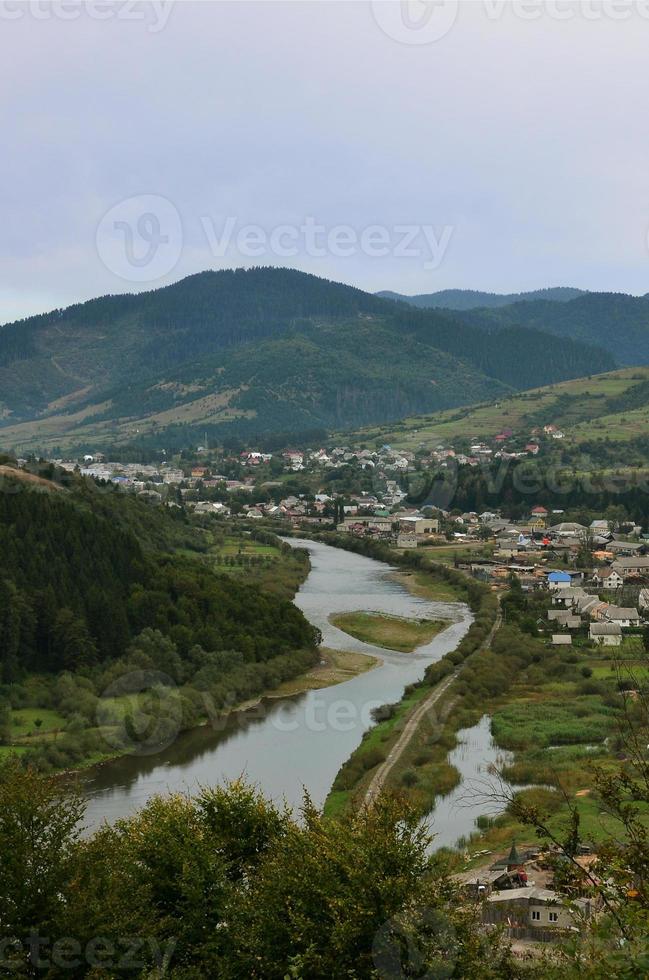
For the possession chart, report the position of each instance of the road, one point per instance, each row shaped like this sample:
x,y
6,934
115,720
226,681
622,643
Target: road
x,y
380,776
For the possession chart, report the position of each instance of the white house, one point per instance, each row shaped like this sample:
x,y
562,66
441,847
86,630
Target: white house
x,y
606,634
607,578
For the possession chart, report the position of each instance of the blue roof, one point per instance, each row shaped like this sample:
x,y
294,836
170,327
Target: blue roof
x,y
559,577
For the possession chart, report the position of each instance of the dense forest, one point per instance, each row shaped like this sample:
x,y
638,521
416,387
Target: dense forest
x,y
96,588
614,321
75,590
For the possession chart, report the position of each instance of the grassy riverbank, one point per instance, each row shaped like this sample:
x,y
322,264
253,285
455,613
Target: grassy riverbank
x,y
424,586
422,771
390,632
334,667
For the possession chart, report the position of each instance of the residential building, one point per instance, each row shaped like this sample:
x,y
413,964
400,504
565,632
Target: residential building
x,y
607,577
606,634
626,616
534,913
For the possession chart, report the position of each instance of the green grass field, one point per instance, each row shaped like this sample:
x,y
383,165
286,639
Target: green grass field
x,y
23,722
390,632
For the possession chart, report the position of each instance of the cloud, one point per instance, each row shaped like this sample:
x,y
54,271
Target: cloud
x,y
523,135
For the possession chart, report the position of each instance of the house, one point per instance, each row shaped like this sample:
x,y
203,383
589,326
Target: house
x,y
632,549
631,566
607,578
367,522
538,517
601,530
567,529
567,597
559,580
534,913
605,634
418,525
587,604
561,640
643,599
625,616
405,540
564,617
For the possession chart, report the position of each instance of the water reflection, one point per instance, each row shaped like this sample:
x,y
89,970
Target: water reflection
x,y
475,756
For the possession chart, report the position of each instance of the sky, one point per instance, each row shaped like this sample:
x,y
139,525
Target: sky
x,y
409,146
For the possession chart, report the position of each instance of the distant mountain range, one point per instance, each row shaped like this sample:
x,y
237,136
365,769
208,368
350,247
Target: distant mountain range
x,y
616,322
470,299
262,350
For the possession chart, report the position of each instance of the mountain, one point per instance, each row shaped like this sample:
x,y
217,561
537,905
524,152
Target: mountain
x,y
469,299
251,351
614,321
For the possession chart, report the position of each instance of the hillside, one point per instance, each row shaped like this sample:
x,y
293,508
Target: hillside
x,y
254,351
614,321
469,299
82,578
607,414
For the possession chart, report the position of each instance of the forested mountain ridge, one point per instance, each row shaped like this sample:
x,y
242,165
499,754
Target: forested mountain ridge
x,y
616,322
469,299
257,350
81,579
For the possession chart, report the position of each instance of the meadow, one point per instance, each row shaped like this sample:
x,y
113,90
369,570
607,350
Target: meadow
x,y
390,632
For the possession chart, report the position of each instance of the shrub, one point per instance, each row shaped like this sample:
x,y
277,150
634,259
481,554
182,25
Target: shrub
x,y
373,757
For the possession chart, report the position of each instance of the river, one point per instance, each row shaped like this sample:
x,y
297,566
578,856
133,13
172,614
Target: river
x,y
478,759
291,745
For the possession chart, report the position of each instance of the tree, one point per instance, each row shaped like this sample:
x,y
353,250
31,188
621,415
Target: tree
x,y
5,722
39,828
73,645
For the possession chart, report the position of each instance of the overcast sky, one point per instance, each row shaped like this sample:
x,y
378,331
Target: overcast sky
x,y
394,146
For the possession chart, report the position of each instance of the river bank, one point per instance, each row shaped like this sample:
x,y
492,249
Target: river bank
x,y
418,768
541,713
287,745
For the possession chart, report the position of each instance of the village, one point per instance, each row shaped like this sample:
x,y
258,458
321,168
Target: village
x,y
595,575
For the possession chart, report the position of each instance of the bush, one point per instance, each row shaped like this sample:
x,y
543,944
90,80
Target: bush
x,y
383,712
409,778
371,758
